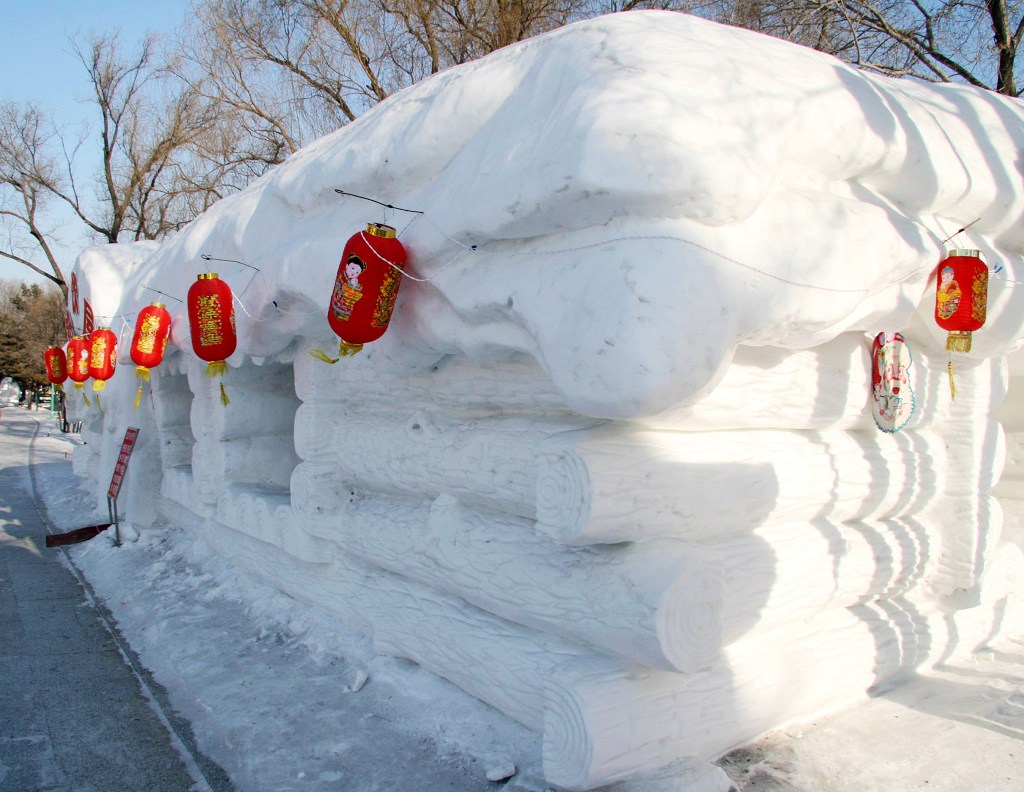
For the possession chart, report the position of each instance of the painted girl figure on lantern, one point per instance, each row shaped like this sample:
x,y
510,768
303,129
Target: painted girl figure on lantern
x,y
365,289
347,290
948,294
893,399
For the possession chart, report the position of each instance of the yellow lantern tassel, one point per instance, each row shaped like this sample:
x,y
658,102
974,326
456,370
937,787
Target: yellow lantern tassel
x,y
224,396
99,385
138,397
952,382
216,368
348,350
319,354
100,406
142,373
80,386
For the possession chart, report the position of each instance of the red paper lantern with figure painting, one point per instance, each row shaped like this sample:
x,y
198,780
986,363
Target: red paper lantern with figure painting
x,y
961,297
152,328
365,288
102,356
211,319
56,366
78,363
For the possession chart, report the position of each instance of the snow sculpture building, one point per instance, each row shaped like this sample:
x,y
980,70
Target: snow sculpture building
x,y
612,469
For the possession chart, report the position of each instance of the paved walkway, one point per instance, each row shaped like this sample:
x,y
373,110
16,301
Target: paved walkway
x,y
77,712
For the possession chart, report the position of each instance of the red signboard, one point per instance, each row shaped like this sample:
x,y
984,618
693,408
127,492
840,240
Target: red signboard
x,y
87,319
122,461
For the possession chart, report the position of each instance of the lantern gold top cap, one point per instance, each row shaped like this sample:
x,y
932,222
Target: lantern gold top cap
x,y
966,252
101,327
208,276
157,305
381,230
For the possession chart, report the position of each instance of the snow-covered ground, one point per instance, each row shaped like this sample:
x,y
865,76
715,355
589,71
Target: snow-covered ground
x,y
284,699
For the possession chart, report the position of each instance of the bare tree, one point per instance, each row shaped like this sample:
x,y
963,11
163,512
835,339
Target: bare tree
x,y
164,153
27,165
966,41
148,125
293,70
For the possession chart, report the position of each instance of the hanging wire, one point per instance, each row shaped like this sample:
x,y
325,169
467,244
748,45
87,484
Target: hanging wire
x,y
208,257
473,248
277,308
379,203
165,294
955,233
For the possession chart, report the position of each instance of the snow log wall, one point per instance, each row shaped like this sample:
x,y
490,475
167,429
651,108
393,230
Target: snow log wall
x,y
635,591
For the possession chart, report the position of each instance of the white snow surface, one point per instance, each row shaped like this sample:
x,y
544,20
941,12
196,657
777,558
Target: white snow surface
x,y
644,191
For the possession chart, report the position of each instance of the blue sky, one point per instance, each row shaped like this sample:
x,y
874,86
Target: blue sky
x,y
36,64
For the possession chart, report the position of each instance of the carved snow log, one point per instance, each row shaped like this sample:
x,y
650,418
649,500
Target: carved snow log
x,y
828,387
656,603
179,487
602,720
172,402
267,515
499,662
601,724
971,532
611,484
266,460
488,462
515,384
1011,416
971,518
175,446
263,401
797,571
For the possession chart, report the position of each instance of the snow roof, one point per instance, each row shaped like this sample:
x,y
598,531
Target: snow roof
x,y
625,199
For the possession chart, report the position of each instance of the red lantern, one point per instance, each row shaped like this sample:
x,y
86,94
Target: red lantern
x,y
152,328
102,356
78,363
56,366
366,287
211,318
961,297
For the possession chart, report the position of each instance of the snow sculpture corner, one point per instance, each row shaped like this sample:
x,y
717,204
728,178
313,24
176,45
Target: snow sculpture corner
x,y
612,469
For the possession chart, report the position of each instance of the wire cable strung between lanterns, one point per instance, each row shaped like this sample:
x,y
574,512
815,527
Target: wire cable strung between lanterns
x,y
957,233
276,306
642,238
208,257
379,203
165,294
474,248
